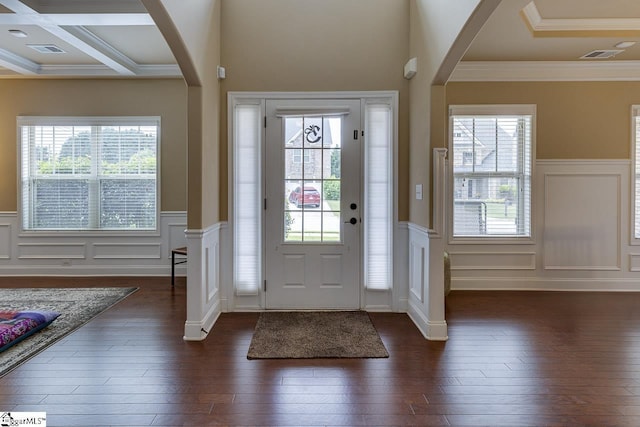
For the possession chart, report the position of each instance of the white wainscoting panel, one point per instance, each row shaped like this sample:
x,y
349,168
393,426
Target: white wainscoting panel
x,y
127,250
5,241
417,268
203,282
634,262
419,277
92,254
492,260
582,221
51,250
212,258
426,282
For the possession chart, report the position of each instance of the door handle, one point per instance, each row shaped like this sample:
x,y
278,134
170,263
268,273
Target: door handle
x,y
352,221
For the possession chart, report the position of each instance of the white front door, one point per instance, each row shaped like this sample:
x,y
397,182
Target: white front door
x,y
312,218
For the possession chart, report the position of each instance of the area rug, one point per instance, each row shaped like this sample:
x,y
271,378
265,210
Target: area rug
x,y
314,335
76,307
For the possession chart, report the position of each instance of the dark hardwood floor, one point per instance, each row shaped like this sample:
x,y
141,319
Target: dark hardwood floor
x,y
513,358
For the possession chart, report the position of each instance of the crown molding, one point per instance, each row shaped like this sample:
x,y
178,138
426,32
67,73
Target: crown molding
x,y
506,71
579,27
74,71
17,64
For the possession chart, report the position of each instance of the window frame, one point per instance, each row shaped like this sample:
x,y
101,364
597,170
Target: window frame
x,y
365,97
492,110
635,172
89,121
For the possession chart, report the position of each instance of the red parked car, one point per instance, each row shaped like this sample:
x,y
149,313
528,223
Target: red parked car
x,y
310,197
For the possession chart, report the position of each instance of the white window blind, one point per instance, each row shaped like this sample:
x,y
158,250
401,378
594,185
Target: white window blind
x,y
378,203
89,173
492,163
636,170
247,200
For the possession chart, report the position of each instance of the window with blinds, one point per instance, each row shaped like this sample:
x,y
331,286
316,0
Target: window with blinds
x,y
491,158
378,197
89,173
636,170
247,197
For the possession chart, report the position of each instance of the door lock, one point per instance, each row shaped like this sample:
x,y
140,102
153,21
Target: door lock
x,y
352,221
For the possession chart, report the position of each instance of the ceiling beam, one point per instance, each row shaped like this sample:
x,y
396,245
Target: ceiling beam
x,y
129,19
100,45
106,56
86,48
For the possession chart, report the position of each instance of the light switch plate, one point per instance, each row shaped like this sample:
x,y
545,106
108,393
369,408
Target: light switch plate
x,y
418,191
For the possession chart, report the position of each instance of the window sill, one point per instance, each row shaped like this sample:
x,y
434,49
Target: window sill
x,y
88,233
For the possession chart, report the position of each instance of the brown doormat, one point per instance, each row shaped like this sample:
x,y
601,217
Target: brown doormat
x,y
314,335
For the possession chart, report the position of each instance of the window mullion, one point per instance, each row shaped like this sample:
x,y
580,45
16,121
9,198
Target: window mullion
x,y
94,183
32,169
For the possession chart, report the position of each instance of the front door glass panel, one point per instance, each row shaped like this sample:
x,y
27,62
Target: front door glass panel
x,y
312,154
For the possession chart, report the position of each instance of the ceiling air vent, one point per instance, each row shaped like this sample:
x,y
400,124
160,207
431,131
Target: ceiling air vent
x,y
46,48
602,54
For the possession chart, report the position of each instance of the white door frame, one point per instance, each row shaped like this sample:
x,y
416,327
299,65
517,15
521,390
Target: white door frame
x,y
324,274
371,300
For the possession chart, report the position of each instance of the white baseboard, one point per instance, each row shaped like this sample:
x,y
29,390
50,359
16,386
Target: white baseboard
x,y
197,331
93,270
433,331
543,284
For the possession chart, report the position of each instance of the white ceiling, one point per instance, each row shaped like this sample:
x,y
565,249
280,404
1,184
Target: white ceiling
x,y
544,40
522,40
99,38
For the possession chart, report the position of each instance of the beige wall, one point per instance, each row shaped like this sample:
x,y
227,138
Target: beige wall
x,y
310,45
192,30
211,142
419,119
194,21
441,31
163,97
575,120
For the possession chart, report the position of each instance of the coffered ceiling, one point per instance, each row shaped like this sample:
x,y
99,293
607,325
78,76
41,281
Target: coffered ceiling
x,y
522,40
81,38
547,40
